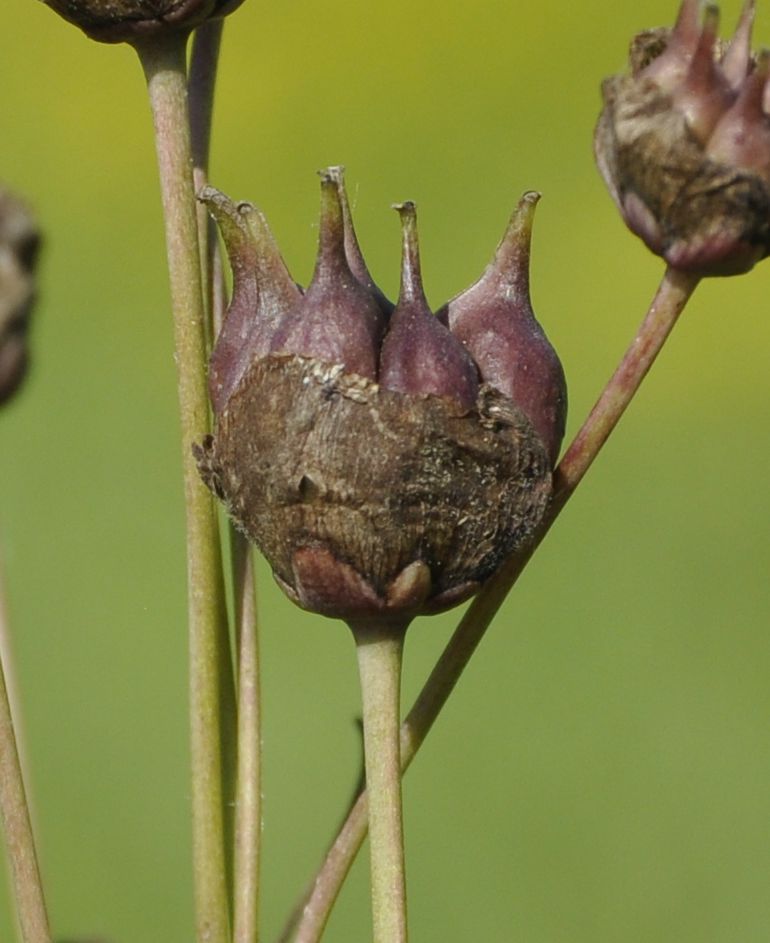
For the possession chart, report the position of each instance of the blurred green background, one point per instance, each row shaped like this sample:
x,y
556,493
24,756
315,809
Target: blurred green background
x,y
602,772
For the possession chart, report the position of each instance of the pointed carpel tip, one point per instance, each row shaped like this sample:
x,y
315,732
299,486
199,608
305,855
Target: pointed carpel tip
x,y
687,17
737,57
710,22
220,206
406,210
523,216
330,189
527,205
751,100
748,13
685,30
411,284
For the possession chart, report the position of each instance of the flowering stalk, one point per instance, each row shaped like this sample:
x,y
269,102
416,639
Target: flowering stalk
x,y
380,649
247,818
163,60
248,792
670,299
19,838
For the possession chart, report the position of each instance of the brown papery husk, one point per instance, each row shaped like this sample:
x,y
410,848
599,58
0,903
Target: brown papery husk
x,y
702,216
311,460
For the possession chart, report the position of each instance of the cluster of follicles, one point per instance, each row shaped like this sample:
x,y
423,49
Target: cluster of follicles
x,y
383,456
487,334
684,143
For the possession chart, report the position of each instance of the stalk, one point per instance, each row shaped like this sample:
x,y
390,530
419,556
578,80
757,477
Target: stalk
x,y
673,293
247,819
379,647
19,838
201,84
211,687
248,794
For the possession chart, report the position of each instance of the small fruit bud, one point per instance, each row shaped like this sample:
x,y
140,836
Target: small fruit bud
x,y
419,355
338,321
352,249
263,293
115,21
368,501
494,320
682,144
19,243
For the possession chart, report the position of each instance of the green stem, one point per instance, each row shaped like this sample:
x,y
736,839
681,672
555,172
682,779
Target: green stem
x,y
211,684
201,84
247,826
380,647
248,796
19,838
670,299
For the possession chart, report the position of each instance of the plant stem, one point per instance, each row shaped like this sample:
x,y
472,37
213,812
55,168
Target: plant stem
x,y
248,788
201,83
248,796
379,646
668,303
211,685
19,838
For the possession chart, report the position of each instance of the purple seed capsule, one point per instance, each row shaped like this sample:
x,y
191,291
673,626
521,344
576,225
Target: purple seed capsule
x,y
419,355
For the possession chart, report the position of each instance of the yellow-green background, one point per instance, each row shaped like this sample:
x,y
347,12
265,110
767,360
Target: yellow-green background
x,y
602,773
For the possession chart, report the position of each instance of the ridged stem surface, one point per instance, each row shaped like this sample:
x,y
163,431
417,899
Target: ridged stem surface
x,y
379,649
248,793
211,685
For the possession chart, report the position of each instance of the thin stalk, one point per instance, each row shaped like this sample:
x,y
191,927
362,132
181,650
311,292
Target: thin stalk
x,y
248,794
668,303
379,647
201,85
17,824
211,684
247,826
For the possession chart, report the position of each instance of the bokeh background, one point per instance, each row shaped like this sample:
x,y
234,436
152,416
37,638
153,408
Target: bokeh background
x,y
602,772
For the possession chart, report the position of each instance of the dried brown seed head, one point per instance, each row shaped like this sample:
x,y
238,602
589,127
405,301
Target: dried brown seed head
x,y
682,144
369,502
115,21
369,499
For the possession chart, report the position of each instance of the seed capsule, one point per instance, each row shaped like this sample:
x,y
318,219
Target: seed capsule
x,y
495,321
116,21
419,355
338,321
263,293
683,145
369,500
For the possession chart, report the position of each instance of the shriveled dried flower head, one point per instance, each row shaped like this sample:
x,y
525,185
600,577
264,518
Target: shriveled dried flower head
x,y
115,21
683,144
385,460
